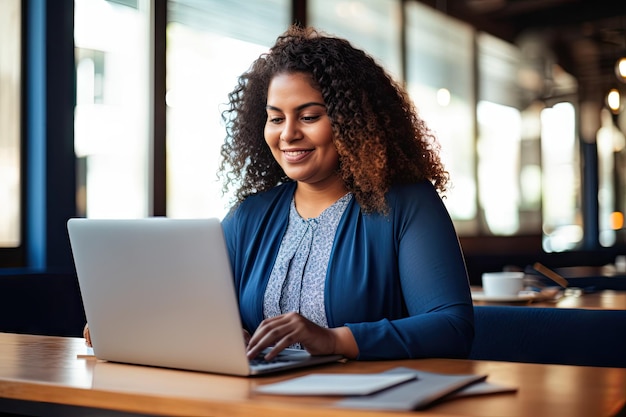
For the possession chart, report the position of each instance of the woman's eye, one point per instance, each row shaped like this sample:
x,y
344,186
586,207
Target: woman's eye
x,y
310,118
275,120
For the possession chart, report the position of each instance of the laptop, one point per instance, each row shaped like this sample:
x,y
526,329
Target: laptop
x,y
160,292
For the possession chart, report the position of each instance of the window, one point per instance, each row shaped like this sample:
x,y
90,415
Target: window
x,y
209,44
612,180
562,222
372,25
111,117
10,126
499,149
440,79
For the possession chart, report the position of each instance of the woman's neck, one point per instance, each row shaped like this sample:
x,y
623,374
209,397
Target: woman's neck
x,y
312,199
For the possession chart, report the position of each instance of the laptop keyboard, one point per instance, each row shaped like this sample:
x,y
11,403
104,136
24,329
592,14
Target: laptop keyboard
x,y
260,360
284,357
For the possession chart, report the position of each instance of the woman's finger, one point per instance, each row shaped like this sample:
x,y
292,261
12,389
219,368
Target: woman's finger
x,y
87,335
270,333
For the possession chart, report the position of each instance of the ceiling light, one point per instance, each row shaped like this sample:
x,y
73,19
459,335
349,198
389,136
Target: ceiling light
x,y
613,100
620,69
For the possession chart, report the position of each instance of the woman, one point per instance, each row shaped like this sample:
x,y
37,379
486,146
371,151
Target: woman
x,y
339,239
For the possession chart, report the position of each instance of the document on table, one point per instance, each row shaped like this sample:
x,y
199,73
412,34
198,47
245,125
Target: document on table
x,y
337,384
422,392
87,355
397,389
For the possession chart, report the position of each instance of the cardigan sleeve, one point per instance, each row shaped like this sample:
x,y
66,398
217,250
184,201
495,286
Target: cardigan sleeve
x,y
438,321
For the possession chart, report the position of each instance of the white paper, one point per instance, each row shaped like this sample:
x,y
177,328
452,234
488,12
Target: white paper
x,y
336,384
87,354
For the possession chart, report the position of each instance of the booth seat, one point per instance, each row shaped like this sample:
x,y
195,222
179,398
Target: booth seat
x,y
550,335
41,303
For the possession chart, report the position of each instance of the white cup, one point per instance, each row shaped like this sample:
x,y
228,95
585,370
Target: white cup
x,y
503,284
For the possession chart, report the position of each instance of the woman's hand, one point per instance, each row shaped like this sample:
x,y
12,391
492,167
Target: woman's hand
x,y
86,335
287,329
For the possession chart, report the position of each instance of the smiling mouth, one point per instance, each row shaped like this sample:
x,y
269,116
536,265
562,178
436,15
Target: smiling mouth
x,y
295,153
296,156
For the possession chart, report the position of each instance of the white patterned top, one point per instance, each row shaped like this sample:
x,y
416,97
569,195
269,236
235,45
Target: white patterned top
x,y
298,277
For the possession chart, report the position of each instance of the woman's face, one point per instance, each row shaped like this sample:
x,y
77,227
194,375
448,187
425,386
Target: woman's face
x,y
298,130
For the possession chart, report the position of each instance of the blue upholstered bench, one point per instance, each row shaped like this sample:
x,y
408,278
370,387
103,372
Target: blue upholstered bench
x,y
550,335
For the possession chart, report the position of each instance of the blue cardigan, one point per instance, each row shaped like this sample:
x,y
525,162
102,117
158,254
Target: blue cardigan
x,y
398,281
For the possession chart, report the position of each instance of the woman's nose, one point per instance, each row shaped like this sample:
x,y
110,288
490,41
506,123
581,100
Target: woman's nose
x,y
290,132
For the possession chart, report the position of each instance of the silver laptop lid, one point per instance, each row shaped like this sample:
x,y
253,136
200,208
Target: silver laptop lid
x,y
159,292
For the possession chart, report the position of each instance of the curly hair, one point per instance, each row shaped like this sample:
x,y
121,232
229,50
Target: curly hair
x,y
378,134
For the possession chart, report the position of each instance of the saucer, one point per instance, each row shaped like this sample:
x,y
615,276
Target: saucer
x,y
522,296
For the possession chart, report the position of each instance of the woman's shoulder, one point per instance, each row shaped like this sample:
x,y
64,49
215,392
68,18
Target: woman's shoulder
x,y
422,196
412,191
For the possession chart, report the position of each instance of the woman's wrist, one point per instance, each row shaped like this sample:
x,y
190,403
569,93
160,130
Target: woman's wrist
x,y
345,344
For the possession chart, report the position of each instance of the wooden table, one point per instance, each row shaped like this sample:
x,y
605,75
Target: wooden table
x,y
597,277
42,375
598,300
